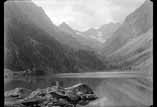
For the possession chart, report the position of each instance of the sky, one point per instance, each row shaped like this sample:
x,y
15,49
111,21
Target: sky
x,y
84,14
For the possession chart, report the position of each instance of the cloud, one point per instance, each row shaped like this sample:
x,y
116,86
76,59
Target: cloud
x,y
84,14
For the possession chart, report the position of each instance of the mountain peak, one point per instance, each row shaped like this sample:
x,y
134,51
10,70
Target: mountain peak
x,y
64,24
91,30
66,28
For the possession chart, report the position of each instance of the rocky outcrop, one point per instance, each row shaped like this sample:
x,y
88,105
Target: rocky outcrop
x,y
52,96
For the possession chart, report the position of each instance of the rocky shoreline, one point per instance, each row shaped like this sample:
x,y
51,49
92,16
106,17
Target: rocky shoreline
x,y
55,96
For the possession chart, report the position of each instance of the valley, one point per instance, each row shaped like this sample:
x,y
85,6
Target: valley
x,y
115,60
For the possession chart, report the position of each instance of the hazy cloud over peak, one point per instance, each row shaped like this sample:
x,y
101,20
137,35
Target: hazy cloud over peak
x,y
85,14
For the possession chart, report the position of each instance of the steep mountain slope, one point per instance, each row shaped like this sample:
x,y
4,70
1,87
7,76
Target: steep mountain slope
x,y
85,40
131,46
134,53
30,42
137,23
108,29
142,42
102,33
37,15
92,38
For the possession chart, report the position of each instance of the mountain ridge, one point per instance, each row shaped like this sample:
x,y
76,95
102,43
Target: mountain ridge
x,y
135,24
29,45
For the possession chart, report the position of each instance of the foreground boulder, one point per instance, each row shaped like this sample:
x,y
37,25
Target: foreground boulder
x,y
79,94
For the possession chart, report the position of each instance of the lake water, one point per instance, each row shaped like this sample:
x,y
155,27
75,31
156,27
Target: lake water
x,y
112,92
